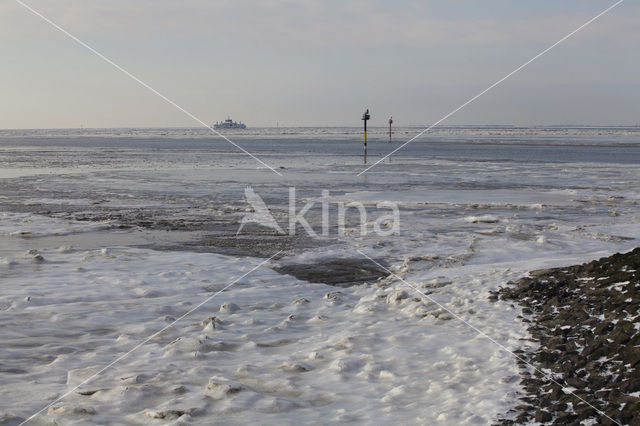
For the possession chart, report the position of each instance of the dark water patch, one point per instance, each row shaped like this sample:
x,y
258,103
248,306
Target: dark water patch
x,y
12,370
338,272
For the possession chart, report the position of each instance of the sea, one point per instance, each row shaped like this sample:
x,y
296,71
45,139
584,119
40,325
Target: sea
x,y
166,276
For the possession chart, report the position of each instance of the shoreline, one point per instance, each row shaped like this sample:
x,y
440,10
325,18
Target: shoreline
x,y
586,321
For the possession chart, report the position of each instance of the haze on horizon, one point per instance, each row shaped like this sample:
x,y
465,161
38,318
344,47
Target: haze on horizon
x,y
309,63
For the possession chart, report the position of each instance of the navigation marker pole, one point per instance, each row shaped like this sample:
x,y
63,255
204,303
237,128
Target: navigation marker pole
x,y
365,118
390,123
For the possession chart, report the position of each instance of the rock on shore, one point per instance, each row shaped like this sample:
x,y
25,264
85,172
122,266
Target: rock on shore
x,y
587,321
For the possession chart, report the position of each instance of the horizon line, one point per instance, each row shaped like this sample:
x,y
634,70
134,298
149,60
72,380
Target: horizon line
x,y
513,126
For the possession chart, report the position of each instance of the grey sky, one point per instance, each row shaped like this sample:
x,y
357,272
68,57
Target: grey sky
x,y
318,62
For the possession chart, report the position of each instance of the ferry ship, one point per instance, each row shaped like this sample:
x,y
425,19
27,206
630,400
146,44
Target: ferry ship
x,y
229,124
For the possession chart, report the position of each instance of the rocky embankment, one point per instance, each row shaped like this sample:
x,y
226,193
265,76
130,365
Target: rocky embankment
x,y
586,319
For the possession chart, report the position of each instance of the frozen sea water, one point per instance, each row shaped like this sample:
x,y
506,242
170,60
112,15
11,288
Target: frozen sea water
x,y
107,236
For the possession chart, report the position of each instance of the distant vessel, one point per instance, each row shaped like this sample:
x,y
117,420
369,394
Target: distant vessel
x,y
229,124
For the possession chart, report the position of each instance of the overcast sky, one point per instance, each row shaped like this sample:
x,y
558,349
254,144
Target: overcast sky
x,y
318,62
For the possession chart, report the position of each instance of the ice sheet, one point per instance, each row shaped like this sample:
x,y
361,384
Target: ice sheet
x,y
478,207
270,349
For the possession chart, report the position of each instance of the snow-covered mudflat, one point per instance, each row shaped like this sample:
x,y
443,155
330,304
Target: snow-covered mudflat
x,y
112,245
270,348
